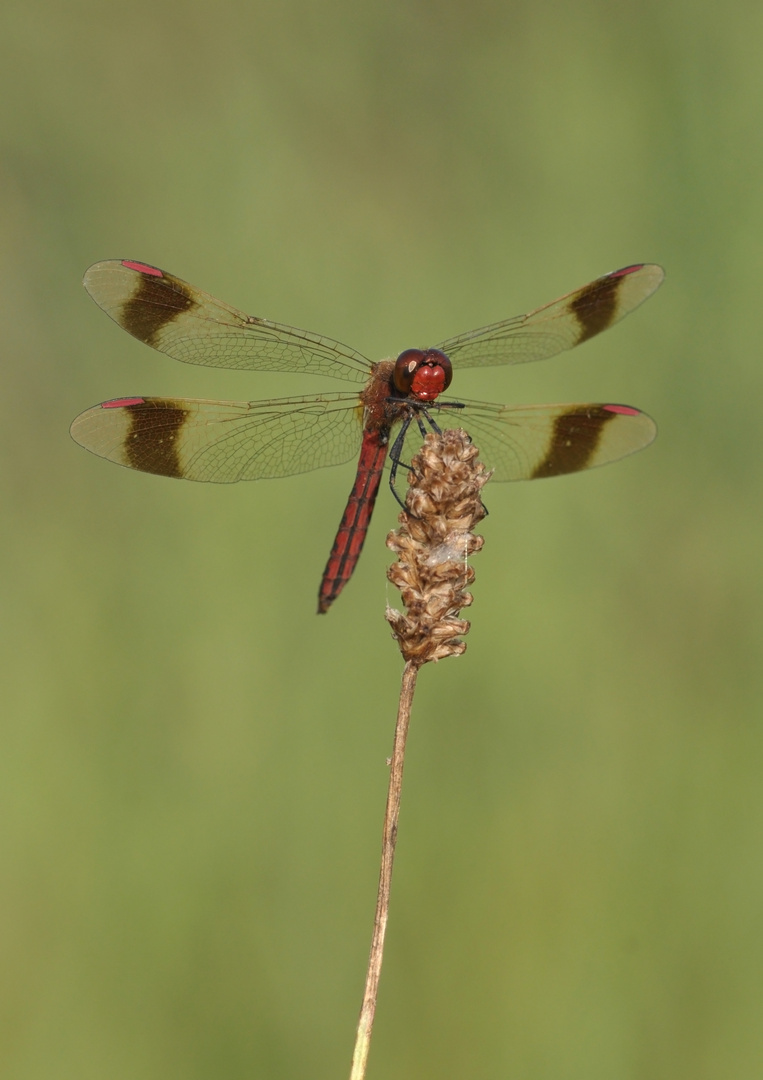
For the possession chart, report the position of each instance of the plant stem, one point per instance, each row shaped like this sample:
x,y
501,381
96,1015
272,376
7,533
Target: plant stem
x,y
389,837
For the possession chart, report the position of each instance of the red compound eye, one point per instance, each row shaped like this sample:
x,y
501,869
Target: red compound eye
x,y
422,374
406,366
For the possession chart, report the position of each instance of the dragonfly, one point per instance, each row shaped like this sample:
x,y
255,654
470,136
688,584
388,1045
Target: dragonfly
x,y
384,419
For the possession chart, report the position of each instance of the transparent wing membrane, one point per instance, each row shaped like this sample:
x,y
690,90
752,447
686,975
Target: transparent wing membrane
x,y
222,441
189,325
535,441
558,326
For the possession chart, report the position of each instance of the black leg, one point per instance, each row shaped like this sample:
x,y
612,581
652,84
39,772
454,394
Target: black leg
x,y
421,414
394,457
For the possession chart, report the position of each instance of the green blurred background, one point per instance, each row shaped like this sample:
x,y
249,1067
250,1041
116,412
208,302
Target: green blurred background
x,y
192,770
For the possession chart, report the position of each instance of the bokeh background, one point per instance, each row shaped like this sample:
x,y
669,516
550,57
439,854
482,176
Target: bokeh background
x,y
192,769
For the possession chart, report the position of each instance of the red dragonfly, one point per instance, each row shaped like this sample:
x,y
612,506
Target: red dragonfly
x,y
225,441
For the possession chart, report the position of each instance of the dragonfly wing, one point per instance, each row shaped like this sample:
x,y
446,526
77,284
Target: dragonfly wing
x,y
560,325
189,325
222,441
534,441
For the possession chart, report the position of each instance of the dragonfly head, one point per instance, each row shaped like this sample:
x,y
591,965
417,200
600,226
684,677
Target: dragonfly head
x,y
422,374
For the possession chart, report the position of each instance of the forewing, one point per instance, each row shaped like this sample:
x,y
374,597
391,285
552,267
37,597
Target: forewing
x,y
189,325
222,441
561,325
534,441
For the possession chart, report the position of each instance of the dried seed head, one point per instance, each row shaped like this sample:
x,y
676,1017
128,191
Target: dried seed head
x,y
433,546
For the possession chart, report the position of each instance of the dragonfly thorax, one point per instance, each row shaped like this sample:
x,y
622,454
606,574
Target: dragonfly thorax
x,y
422,374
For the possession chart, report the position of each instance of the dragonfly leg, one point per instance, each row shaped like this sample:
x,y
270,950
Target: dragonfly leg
x,y
394,457
421,415
445,405
422,429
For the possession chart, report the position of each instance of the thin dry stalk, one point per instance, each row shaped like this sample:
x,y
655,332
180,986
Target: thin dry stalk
x,y
389,837
433,545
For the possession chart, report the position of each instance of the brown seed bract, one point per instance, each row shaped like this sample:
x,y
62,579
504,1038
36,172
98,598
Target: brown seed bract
x,y
433,546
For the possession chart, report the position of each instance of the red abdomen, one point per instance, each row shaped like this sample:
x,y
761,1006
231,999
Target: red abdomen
x,y
357,515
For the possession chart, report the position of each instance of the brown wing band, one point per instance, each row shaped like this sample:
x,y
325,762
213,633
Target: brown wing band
x,y
574,441
153,305
152,448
